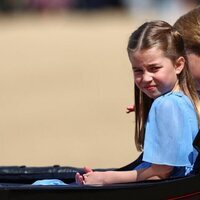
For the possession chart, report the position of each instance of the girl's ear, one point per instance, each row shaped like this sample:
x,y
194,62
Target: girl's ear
x,y
179,65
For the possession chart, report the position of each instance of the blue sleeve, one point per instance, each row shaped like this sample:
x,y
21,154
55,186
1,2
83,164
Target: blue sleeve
x,y
169,133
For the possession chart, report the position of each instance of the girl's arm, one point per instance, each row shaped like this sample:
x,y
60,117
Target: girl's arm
x,y
110,177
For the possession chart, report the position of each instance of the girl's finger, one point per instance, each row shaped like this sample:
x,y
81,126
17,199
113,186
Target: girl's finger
x,y
87,169
78,178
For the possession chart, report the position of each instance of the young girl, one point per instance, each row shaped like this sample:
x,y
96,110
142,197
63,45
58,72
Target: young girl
x,y
166,108
188,26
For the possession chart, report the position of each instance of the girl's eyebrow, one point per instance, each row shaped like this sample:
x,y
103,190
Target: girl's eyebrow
x,y
153,65
149,65
135,67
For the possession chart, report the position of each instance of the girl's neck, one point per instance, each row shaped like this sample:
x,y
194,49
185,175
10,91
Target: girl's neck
x,y
176,87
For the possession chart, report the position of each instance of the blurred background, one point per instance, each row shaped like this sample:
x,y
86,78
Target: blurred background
x,y
65,79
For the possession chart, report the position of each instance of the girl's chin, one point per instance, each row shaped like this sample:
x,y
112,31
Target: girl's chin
x,y
153,96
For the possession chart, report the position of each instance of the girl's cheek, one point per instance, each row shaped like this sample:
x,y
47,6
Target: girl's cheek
x,y
137,80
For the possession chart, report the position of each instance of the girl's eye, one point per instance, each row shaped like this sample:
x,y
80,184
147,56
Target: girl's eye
x,y
137,70
154,69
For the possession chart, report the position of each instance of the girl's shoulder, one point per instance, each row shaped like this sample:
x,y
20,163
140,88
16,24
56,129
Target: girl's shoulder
x,y
172,99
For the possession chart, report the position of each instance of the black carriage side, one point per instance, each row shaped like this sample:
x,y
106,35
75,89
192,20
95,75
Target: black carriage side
x,y
15,184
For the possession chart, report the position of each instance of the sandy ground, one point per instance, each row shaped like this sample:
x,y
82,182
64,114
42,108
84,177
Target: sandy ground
x,y
65,82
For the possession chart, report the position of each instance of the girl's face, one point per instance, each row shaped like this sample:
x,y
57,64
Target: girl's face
x,y
155,74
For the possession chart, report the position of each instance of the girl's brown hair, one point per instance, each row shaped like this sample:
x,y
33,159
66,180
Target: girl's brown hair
x,y
163,36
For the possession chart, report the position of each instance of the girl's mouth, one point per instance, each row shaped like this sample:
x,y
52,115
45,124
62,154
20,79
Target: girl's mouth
x,y
150,87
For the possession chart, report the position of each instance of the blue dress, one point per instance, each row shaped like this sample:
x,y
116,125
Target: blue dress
x,y
171,127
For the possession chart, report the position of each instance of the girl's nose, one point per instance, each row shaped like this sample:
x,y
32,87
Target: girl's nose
x,y
147,77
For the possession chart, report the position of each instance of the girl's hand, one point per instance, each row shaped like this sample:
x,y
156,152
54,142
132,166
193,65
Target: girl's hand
x,y
94,178
80,178
130,108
